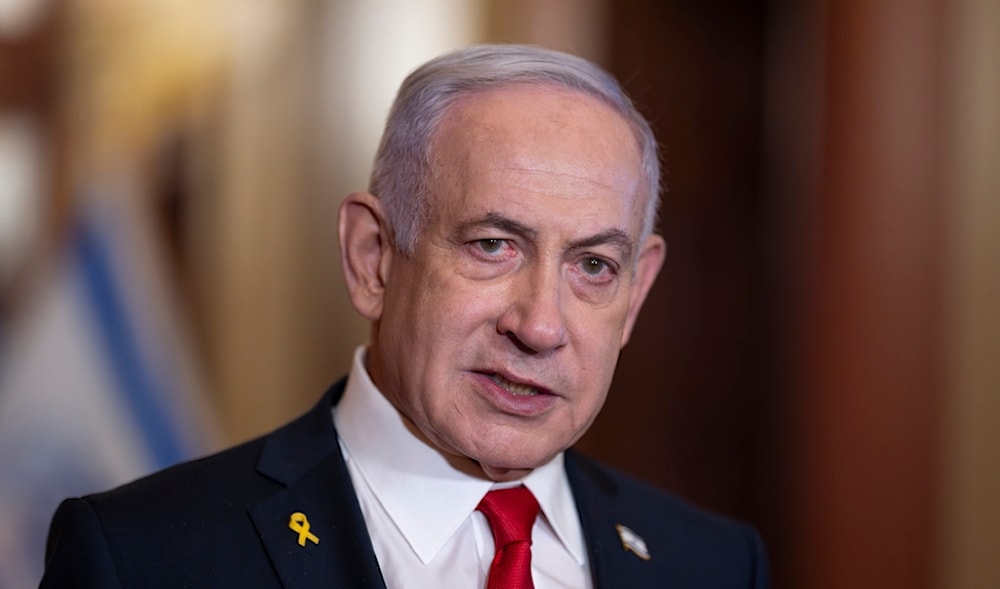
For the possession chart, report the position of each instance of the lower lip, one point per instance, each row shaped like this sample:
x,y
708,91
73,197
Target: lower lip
x,y
507,402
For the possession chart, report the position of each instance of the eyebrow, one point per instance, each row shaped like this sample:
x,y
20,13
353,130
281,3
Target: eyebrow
x,y
615,237
498,221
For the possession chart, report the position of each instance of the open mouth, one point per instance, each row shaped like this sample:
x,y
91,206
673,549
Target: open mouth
x,y
516,389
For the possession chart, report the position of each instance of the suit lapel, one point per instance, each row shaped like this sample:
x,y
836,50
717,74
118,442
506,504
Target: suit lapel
x,y
597,498
343,557
305,456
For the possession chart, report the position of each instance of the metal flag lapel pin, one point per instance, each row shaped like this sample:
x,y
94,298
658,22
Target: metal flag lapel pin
x,y
632,542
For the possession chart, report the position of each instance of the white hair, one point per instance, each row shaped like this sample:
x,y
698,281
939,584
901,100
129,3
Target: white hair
x,y
402,172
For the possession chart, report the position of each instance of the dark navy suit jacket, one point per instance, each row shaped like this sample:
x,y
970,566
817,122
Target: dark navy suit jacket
x,y
223,521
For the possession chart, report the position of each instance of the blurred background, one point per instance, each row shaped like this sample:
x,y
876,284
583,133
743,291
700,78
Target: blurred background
x,y
820,357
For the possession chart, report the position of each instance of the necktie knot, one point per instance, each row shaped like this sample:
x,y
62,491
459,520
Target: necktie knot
x,y
511,514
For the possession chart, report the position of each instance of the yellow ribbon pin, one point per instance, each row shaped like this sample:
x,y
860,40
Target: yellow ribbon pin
x,y
299,523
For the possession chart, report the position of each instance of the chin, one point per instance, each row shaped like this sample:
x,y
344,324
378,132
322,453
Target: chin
x,y
502,447
506,462
504,475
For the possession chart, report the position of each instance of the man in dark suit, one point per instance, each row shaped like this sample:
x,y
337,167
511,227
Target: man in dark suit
x,y
502,255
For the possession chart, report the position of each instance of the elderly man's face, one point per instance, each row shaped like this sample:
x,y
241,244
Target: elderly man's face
x,y
498,338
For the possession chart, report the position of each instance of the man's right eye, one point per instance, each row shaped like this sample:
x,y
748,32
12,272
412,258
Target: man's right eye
x,y
492,250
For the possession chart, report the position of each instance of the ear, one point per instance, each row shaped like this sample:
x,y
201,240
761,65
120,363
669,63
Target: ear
x,y
365,252
651,256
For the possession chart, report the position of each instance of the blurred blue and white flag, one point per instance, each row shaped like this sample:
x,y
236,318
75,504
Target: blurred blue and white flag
x,y
97,380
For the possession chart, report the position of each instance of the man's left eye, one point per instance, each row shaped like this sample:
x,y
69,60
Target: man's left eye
x,y
491,246
594,266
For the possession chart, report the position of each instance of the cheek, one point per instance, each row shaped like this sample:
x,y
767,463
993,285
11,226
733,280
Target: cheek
x,y
456,301
416,295
599,330
598,344
444,319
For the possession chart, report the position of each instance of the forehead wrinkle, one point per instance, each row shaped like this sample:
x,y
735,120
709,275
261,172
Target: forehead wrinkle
x,y
545,171
484,135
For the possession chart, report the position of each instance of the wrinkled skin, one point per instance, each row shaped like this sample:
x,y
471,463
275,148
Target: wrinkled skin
x,y
498,337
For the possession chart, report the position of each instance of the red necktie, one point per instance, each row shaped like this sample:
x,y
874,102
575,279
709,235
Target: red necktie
x,y
511,513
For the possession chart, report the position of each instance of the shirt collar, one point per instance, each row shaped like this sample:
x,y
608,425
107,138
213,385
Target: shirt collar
x,y
397,466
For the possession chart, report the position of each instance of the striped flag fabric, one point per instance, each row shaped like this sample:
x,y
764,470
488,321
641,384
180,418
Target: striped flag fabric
x,y
98,384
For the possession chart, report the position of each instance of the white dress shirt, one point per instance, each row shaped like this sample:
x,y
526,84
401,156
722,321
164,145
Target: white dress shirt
x,y
421,511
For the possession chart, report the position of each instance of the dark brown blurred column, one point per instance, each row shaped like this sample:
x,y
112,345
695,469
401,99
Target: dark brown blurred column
x,y
871,380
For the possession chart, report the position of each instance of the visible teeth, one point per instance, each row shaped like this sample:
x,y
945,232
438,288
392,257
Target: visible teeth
x,y
513,388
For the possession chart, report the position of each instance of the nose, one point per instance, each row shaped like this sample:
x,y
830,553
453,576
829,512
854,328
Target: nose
x,y
534,318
